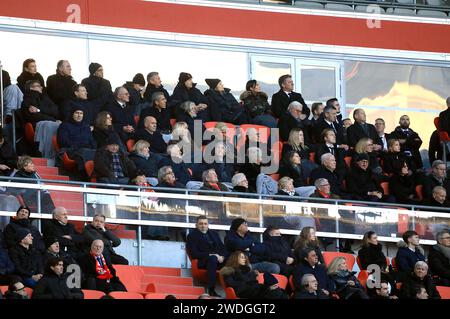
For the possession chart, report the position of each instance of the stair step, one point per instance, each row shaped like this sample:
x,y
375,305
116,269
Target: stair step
x,y
168,280
161,271
175,289
55,177
69,196
48,170
40,161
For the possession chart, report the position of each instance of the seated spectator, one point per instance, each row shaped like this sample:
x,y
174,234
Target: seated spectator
x,y
8,156
309,264
439,258
167,179
22,221
240,239
285,96
187,112
296,142
286,188
383,292
69,239
75,137
334,102
410,141
329,120
256,105
150,134
239,274
436,178
154,85
292,167
317,112
37,106
54,251
347,285
16,290
419,277
362,182
112,166
211,182
205,245
136,90
438,198
365,146
80,101
98,270
361,129
159,110
409,252
380,126
54,284
294,118
6,268
176,161
26,169
145,161
121,112
223,105
371,252
278,250
394,154
29,73
328,171
402,184
309,289
328,145
186,91
12,96
26,259
59,85
97,230
216,158
307,239
323,190
104,129
99,89
240,184
252,167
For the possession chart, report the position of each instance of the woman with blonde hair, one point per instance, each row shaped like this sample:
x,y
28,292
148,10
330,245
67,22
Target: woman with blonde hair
x,y
307,239
366,146
145,161
347,285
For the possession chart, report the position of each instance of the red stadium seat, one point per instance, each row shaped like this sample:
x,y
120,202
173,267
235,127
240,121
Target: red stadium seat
x,y
328,257
385,187
444,292
230,293
419,192
172,122
29,133
130,144
89,168
92,294
275,177
348,161
130,276
125,295
155,295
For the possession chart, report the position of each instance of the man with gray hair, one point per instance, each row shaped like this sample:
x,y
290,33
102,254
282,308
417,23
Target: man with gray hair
x,y
160,111
328,171
97,230
439,258
166,178
154,85
323,189
240,183
294,118
69,239
418,277
309,289
438,198
436,178
60,84
211,182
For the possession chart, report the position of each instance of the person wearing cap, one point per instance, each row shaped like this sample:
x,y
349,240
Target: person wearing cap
x,y
75,137
361,182
60,84
98,88
122,114
240,239
22,221
54,251
186,91
26,259
160,110
223,105
111,165
136,89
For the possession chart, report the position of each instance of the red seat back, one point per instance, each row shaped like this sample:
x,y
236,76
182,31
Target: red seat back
x,y
92,294
125,295
328,257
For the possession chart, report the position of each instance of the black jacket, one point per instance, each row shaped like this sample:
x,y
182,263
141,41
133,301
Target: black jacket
x,y
182,94
25,76
304,153
157,143
431,182
243,281
444,120
8,157
321,125
319,271
162,117
412,144
340,280
407,289
52,286
90,109
287,122
339,154
48,110
207,187
360,182
295,172
439,263
200,245
277,249
281,101
101,136
90,233
121,117
135,95
67,259
336,180
372,254
88,263
59,88
27,262
147,166
304,294
103,164
6,265
15,225
355,132
54,229
234,242
75,135
150,89
401,187
98,89
224,107
389,158
255,104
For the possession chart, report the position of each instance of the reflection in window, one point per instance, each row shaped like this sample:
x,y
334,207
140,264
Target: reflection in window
x,y
267,74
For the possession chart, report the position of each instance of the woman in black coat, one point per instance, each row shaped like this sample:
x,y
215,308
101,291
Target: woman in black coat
x,y
146,162
402,185
29,73
393,155
257,106
347,285
307,239
371,252
104,129
292,167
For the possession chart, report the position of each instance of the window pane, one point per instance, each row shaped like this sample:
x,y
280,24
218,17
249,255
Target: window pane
x,y
318,83
267,74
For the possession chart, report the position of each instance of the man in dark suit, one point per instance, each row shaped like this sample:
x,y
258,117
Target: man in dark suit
x,y
293,118
122,118
362,129
329,120
380,126
205,245
410,141
334,102
159,111
328,145
444,118
150,134
286,95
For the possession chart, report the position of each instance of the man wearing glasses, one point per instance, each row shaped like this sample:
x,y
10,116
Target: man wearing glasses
x,y
436,178
439,258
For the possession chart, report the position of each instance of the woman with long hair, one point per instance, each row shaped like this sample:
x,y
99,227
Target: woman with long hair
x,y
307,239
347,285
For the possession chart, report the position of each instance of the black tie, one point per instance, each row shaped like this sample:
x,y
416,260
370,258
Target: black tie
x,y
331,150
290,96
334,128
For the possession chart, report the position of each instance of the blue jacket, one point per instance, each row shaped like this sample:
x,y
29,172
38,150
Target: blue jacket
x,y
406,259
147,166
73,134
234,242
199,246
6,265
319,271
179,169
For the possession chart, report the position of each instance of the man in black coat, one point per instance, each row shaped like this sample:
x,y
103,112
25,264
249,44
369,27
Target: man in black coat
x,y
135,88
59,85
361,182
278,250
328,171
99,89
98,270
54,251
438,198
293,118
285,96
436,178
439,258
122,117
111,165
205,245
8,156
361,129
334,102
79,100
37,106
444,118
328,120
159,110
150,133
97,230
59,227
380,126
22,221
329,145
154,85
